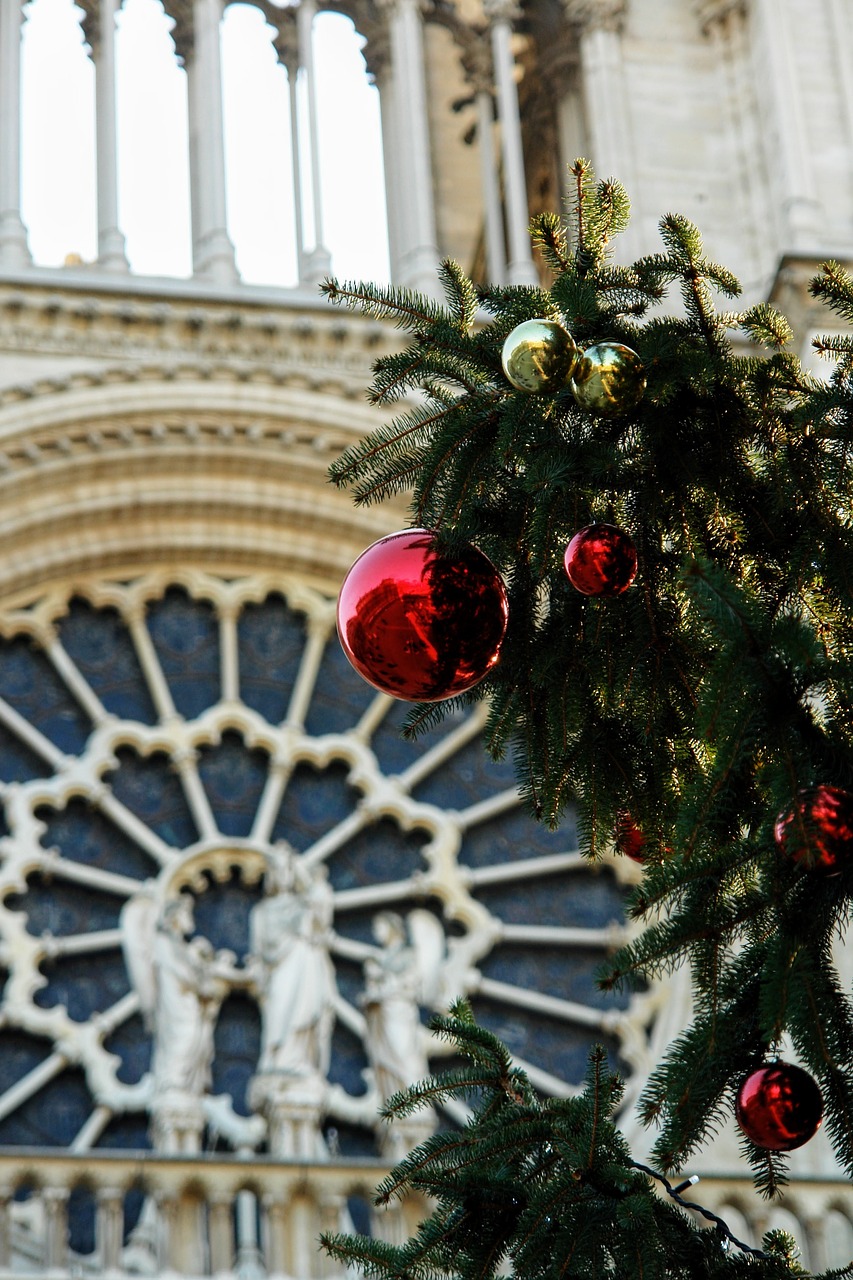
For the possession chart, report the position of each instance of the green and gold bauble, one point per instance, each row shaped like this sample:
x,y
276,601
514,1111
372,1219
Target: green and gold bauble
x,y
609,379
539,355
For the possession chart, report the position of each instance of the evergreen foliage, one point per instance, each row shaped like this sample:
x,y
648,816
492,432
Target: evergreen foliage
x,y
706,698
543,1189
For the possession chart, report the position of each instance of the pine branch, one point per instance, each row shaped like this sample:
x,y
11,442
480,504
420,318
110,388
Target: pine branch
x,y
408,310
551,1188
702,701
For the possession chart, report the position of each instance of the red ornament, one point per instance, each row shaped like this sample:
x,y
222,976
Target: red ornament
x,y
818,829
601,560
630,840
779,1107
417,623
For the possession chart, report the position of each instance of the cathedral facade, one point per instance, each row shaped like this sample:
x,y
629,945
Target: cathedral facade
x,y
230,891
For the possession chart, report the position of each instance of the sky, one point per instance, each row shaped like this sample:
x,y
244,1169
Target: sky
x,y
58,145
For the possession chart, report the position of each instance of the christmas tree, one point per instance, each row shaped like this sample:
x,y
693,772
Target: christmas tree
x,y
637,548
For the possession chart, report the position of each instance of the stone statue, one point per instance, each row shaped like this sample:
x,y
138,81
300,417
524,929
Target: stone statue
x,y
289,938
181,985
294,978
404,974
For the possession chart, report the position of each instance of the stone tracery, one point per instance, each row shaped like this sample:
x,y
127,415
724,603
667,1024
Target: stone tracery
x,y
152,697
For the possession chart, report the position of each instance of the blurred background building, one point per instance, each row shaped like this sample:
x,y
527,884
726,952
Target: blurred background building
x,y
230,892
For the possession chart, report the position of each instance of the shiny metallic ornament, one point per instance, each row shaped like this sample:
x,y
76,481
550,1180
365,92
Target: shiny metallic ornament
x,y
601,560
817,830
779,1107
420,624
539,355
609,380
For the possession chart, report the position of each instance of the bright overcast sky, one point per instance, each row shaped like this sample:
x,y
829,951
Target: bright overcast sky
x,y
58,165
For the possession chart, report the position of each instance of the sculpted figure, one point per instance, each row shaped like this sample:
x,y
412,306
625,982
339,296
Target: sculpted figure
x,y
403,975
289,932
181,985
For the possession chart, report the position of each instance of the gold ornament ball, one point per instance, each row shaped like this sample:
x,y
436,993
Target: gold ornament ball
x,y
539,355
609,379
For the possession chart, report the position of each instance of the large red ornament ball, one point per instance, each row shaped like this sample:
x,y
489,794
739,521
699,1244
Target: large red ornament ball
x,y
779,1107
601,560
419,624
818,828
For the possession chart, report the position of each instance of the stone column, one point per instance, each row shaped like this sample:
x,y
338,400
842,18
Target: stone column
x,y
249,1261
108,1228
788,154
520,268
213,252
55,1201
286,45
317,261
275,1234
99,25
14,250
478,68
377,55
221,1232
418,250
608,119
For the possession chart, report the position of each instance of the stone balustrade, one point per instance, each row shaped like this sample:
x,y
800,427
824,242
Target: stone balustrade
x,y
199,1216
817,1212
229,1216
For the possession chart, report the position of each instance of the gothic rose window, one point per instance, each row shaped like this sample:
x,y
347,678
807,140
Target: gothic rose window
x,y
231,893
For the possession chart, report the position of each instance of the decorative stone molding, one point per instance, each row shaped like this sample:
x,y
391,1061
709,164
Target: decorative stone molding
x,y
286,39
476,57
370,22
596,15
90,22
182,33
216,1184
318,345
716,13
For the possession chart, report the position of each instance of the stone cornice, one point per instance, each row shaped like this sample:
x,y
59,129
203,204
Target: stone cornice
x,y
245,342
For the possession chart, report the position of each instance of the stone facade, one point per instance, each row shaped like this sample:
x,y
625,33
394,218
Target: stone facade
x,y
183,750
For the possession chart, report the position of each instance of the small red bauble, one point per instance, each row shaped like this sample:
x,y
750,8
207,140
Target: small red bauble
x,y
818,829
601,560
629,839
419,624
779,1107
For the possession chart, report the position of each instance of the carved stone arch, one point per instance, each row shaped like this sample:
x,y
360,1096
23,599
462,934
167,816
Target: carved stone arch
x,y
101,473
